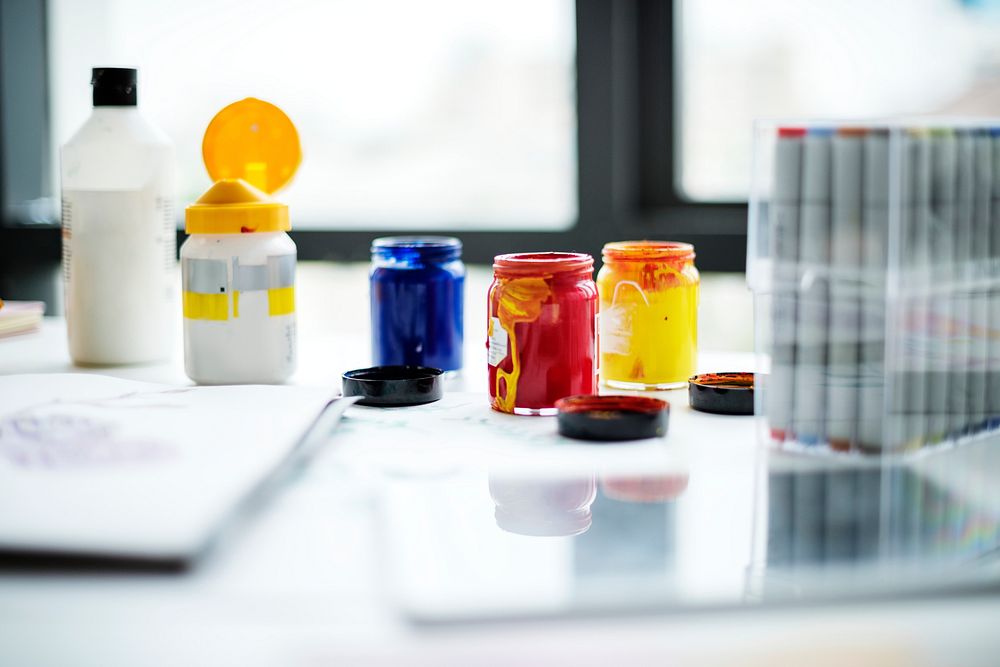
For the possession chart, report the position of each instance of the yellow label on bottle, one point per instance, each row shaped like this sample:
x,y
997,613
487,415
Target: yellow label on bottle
x,y
281,301
206,306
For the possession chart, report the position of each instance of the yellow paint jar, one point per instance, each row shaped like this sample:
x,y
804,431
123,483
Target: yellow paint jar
x,y
648,314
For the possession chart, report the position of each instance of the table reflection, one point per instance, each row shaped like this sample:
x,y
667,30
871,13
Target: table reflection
x,y
890,514
468,545
805,520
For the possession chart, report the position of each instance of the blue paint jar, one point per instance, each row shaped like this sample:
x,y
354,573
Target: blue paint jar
x,y
417,286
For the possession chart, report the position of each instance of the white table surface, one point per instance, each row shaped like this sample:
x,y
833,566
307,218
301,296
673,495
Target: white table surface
x,y
301,584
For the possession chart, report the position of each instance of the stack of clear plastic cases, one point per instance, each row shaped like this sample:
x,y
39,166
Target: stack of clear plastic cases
x,y
874,259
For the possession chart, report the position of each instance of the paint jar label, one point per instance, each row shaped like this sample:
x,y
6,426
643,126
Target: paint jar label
x,y
615,329
498,342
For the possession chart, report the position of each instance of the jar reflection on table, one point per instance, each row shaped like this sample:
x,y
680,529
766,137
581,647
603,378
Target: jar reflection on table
x,y
541,332
645,489
649,314
543,508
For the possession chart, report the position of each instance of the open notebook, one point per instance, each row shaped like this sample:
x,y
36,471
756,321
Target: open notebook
x,y
20,317
98,467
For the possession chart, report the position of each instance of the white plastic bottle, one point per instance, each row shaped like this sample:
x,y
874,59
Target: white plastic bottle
x,y
238,264
119,230
239,303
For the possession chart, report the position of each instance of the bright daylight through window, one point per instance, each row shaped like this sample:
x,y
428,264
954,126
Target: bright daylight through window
x,y
780,58
439,113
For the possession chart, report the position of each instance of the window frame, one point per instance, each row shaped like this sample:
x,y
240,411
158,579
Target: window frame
x,y
626,69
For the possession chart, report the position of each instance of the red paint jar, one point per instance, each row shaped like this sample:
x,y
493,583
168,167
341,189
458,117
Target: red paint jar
x,y
541,334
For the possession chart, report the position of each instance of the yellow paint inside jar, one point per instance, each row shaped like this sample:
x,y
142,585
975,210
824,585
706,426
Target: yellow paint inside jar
x,y
648,314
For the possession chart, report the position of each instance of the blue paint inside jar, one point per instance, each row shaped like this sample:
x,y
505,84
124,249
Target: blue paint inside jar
x,y
417,288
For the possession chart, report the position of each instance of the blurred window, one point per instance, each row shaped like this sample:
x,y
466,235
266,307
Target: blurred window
x,y
834,59
431,114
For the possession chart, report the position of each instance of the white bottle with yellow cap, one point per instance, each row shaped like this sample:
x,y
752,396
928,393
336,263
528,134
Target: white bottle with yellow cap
x,y
238,265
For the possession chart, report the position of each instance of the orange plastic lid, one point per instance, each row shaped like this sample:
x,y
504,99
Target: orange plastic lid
x,y
251,150
253,140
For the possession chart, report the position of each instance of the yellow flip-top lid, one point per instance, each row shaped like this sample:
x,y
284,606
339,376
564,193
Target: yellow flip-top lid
x,y
233,206
251,149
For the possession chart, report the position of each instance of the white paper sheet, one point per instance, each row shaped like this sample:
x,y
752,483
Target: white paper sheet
x,y
97,466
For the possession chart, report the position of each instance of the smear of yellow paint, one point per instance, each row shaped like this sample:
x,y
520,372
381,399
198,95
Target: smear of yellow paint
x,y
520,300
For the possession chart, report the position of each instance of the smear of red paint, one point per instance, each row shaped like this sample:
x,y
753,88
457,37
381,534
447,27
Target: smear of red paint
x,y
644,404
724,380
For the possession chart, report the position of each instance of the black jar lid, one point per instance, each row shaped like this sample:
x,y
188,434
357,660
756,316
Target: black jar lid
x,y
722,393
609,418
394,386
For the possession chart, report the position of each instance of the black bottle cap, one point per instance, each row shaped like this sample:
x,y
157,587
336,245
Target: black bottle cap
x,y
114,86
394,386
